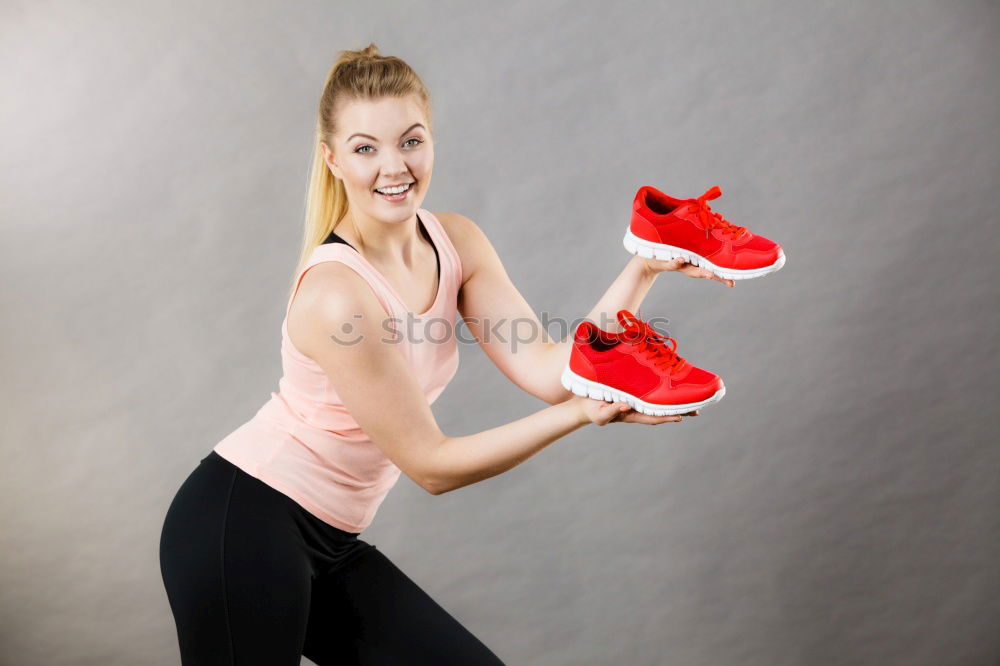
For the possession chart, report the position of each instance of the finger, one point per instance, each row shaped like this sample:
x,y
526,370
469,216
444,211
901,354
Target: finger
x,y
728,283
619,412
618,408
638,417
676,264
698,272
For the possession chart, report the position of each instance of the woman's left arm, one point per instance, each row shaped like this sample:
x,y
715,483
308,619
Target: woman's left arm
x,y
506,327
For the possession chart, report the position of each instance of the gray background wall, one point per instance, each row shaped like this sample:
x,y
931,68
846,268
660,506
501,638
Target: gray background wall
x,y
838,507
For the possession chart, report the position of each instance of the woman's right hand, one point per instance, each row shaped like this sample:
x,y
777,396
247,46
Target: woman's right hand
x,y
601,413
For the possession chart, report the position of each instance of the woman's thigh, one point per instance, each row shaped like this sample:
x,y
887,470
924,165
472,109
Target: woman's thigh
x,y
370,612
237,582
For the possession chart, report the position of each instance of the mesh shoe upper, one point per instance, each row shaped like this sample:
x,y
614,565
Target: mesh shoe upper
x,y
639,362
691,224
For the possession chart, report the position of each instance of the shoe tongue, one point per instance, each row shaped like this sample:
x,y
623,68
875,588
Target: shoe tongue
x,y
633,329
692,208
627,319
635,335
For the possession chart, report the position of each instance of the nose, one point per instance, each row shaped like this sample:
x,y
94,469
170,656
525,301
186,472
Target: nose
x,y
394,164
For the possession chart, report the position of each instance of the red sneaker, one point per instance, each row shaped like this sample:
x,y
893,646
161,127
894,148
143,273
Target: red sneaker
x,y
666,228
638,367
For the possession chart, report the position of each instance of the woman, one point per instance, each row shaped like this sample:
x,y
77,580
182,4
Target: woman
x,y
260,552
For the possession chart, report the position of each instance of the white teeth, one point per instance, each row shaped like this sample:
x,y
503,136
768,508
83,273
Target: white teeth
x,y
394,190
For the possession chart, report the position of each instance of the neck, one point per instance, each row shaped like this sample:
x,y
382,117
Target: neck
x,y
381,242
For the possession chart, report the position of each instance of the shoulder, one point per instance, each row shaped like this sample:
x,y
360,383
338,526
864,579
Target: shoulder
x,y
333,283
460,228
331,295
468,238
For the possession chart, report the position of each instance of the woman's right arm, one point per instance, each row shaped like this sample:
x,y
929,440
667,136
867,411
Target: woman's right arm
x,y
337,321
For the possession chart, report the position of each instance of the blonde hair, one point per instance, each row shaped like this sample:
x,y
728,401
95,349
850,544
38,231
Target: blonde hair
x,y
364,74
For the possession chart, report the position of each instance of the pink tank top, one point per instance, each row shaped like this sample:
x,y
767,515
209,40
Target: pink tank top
x,y
304,443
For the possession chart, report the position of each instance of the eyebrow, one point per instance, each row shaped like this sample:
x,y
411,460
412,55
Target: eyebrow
x,y
408,129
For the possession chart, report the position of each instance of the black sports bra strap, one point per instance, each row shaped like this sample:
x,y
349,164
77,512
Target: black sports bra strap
x,y
334,238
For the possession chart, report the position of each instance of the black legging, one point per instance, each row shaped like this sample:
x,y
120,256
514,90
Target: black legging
x,y
253,578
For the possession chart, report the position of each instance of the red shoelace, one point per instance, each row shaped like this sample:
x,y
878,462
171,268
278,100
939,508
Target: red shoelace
x,y
650,343
710,218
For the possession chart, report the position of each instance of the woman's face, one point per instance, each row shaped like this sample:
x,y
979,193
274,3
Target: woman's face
x,y
381,143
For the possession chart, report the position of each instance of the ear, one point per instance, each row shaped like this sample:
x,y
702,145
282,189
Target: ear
x,y
330,161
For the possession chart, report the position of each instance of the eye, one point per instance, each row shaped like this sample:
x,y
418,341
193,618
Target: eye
x,y
413,139
358,149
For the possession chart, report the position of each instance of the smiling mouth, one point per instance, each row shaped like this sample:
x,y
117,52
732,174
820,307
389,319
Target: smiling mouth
x,y
399,196
380,191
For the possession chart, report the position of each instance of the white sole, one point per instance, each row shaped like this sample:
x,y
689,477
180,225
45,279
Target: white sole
x,y
651,250
590,389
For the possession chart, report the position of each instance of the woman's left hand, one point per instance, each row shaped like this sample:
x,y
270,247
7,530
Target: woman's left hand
x,y
631,416
682,266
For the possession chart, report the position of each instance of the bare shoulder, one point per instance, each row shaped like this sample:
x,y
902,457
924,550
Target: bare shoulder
x,y
468,238
331,295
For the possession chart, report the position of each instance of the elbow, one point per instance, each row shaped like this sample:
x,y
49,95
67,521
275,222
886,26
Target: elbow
x,y
434,483
434,478
434,487
557,395
551,393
